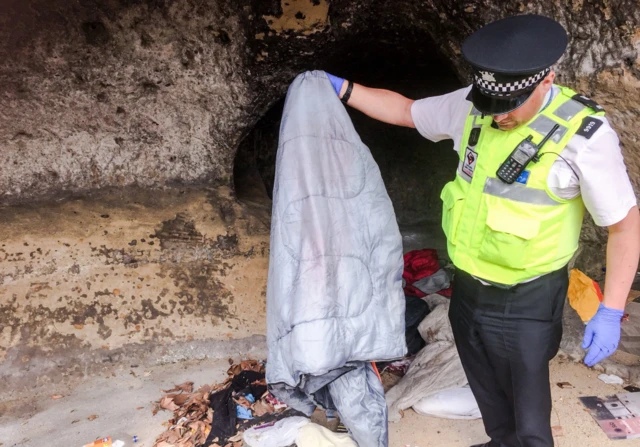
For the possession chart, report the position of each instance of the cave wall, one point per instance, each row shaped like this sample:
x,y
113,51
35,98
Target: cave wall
x,y
114,92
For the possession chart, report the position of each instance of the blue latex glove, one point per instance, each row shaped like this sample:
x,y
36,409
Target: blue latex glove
x,y
602,334
336,82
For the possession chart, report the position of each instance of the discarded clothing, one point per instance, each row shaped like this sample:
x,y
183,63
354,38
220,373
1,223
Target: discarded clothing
x,y
314,435
422,274
399,366
209,416
243,413
334,295
437,366
224,424
245,379
268,418
433,283
280,434
354,394
416,310
456,403
249,382
419,264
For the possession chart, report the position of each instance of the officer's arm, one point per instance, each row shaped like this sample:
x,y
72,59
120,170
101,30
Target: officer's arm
x,y
623,251
383,105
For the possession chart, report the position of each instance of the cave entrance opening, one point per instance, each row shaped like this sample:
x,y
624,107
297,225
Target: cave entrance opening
x,y
413,168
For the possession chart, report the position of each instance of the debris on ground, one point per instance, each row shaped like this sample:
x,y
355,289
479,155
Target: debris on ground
x,y
437,366
632,389
557,431
103,442
93,417
281,433
565,385
618,416
455,403
217,415
314,435
392,372
611,379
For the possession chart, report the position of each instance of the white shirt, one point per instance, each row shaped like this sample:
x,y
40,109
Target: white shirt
x,y
602,176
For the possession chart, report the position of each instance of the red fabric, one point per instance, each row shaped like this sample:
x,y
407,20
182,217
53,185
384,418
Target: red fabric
x,y
598,291
414,291
419,264
446,292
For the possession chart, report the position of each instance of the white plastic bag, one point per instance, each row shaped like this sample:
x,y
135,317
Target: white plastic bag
x,y
313,435
282,434
456,403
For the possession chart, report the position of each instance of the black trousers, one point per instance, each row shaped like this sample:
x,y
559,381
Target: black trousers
x,y
506,338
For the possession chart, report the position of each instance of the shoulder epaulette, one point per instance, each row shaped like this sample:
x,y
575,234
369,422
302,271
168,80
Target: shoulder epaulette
x,y
588,102
590,124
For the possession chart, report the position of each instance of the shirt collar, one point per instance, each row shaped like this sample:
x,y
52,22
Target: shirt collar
x,y
548,97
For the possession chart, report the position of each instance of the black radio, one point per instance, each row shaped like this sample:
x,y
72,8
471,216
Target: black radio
x,y
517,162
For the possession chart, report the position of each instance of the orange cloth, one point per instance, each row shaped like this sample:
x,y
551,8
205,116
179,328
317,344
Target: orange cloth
x,y
584,295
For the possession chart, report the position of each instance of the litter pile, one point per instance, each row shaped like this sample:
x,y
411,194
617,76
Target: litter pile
x,y
422,276
431,379
217,415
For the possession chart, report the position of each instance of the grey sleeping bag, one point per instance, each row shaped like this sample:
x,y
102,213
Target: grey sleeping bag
x,y
334,292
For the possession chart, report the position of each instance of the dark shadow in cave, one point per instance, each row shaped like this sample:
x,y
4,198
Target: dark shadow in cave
x,y
414,169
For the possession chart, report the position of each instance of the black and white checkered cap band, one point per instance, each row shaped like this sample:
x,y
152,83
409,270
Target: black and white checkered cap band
x,y
486,81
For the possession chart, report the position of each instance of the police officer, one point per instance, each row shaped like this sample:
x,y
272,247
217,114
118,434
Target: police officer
x,y
513,215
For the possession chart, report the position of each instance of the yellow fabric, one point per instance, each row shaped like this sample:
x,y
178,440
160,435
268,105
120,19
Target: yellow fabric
x,y
314,435
583,296
511,233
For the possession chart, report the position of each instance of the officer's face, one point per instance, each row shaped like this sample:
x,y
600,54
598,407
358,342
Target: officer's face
x,y
529,109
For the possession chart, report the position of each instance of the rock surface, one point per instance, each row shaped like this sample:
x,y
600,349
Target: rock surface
x,y
100,93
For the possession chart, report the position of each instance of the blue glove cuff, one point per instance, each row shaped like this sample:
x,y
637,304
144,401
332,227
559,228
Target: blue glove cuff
x,y
608,314
336,82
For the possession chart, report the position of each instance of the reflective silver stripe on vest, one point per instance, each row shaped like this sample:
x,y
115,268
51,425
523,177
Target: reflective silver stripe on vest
x,y
461,173
543,126
569,109
517,192
477,121
475,111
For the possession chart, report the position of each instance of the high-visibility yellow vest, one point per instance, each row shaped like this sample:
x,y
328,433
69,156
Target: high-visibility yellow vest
x,y
510,233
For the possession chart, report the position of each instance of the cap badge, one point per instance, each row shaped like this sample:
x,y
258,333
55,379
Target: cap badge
x,y
487,76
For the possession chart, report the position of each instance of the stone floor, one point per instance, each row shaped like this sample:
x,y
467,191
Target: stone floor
x,y
630,340
122,400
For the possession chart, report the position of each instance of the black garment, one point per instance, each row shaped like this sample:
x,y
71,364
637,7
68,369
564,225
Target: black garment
x,y
244,379
506,338
224,415
243,383
416,310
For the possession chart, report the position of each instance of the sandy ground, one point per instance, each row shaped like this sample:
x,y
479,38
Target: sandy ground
x,y
578,429
123,401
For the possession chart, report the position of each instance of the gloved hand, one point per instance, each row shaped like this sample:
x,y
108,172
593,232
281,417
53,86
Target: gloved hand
x,y
602,334
336,82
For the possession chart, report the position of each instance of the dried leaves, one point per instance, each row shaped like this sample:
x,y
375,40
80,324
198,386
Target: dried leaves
x,y
192,416
186,387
